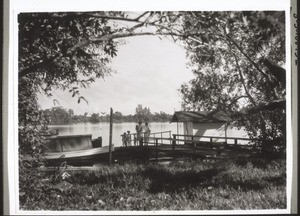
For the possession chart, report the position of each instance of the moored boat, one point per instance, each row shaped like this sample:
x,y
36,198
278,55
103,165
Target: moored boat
x,y
75,149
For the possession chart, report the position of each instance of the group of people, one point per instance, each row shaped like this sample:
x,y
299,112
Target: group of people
x,y
126,139
142,133
141,137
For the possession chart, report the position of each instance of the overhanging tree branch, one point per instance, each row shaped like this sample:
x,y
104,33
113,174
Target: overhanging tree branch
x,y
100,16
139,17
277,104
142,20
236,99
247,57
243,80
84,43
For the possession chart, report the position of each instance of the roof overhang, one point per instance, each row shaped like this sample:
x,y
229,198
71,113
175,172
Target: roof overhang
x,y
200,117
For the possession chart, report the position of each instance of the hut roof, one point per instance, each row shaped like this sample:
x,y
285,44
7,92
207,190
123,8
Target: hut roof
x,y
200,117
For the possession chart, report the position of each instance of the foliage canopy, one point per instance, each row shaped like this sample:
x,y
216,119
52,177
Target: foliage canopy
x,y
237,59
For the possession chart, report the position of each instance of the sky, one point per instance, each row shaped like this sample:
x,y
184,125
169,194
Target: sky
x,y
149,71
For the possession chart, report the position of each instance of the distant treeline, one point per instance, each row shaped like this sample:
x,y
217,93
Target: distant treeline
x,y
60,115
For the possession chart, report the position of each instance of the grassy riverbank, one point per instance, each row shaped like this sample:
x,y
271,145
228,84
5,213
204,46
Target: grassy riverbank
x,y
179,185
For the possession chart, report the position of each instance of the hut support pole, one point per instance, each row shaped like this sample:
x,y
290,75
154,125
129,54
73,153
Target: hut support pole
x,y
173,144
235,142
226,125
156,150
110,136
194,146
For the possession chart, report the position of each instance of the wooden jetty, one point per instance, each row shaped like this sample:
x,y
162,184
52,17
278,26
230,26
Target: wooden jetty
x,y
179,145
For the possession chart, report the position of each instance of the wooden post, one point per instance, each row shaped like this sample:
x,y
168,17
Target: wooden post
x,y
173,144
194,145
226,125
134,139
156,149
218,151
211,142
235,142
110,136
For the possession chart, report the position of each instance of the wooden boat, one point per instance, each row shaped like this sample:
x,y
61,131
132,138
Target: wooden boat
x,y
75,149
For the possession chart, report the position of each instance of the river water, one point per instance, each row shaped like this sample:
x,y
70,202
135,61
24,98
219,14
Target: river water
x,y
102,129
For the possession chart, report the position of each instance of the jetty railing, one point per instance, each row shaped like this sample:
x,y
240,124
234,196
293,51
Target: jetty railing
x,y
212,145
182,138
216,143
200,144
203,141
164,137
162,145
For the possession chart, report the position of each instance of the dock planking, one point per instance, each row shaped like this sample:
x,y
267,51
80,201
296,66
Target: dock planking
x,y
160,152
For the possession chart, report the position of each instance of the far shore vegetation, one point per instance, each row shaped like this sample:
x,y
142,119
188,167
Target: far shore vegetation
x,y
60,115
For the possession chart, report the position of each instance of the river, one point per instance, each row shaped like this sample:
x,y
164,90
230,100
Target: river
x,y
102,129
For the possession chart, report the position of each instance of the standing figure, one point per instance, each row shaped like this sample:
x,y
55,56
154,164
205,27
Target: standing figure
x,y
128,138
147,133
134,139
139,130
124,139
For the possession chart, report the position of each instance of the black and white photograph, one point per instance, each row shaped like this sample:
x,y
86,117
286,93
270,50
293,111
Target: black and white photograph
x,y
152,111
